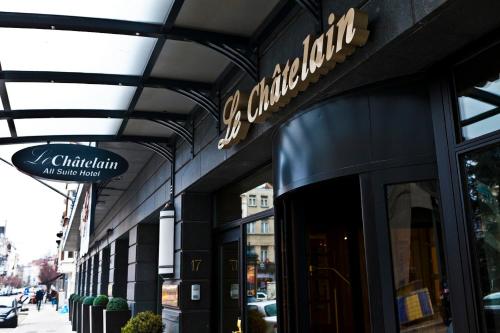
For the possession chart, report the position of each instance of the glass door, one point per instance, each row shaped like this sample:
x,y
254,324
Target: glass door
x,y
410,232
229,288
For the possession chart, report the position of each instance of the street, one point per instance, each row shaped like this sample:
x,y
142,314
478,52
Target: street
x,y
45,321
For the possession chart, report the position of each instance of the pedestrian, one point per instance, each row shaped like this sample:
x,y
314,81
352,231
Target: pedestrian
x,y
39,298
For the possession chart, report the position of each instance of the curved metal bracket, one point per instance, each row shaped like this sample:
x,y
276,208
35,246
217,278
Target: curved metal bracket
x,y
236,56
235,48
177,129
201,99
159,149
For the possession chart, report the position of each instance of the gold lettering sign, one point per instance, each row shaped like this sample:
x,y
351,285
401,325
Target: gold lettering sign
x,y
170,295
319,57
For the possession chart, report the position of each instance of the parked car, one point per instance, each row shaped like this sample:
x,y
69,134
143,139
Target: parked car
x,y
492,311
8,311
266,311
261,296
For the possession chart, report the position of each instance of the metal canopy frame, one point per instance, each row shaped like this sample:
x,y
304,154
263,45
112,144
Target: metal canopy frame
x,y
240,50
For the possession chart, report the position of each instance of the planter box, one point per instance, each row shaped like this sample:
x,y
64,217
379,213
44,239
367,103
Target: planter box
x,y
113,321
96,319
73,316
70,307
78,308
85,318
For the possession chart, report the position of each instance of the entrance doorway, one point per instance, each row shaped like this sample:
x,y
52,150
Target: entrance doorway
x,y
324,222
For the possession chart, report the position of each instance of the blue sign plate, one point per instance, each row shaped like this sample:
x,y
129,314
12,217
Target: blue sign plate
x,y
70,163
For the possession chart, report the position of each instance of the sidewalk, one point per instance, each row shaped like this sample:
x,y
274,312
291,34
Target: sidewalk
x,y
45,321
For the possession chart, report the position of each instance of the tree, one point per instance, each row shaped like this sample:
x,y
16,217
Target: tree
x,y
12,281
47,274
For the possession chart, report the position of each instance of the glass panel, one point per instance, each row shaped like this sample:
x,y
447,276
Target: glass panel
x,y
482,127
4,129
260,277
73,51
67,126
422,297
470,107
36,95
482,172
154,11
492,87
477,84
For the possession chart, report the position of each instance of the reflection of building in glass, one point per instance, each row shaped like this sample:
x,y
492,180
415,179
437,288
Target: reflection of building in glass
x,y
260,250
257,200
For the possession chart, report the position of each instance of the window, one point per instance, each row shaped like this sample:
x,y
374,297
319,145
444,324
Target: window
x,y
263,201
251,227
478,90
70,254
252,201
482,176
62,255
264,226
263,253
422,298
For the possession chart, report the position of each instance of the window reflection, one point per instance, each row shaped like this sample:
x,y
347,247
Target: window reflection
x,y
260,277
422,297
482,172
260,194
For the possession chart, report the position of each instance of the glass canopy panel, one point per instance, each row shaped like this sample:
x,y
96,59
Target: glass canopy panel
x,y
37,95
150,11
67,126
73,51
4,129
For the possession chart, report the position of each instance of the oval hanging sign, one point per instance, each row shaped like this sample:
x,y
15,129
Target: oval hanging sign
x,y
70,163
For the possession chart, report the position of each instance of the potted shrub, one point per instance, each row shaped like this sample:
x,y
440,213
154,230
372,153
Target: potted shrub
x,y
87,302
116,315
96,309
144,322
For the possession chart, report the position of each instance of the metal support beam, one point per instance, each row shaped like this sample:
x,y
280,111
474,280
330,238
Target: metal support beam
x,y
41,182
4,99
484,96
83,113
119,27
196,91
98,78
84,138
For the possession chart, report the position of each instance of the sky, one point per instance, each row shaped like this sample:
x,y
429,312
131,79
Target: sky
x,y
33,212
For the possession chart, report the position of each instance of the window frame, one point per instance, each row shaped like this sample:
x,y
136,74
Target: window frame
x,y
450,148
262,198
457,148
252,200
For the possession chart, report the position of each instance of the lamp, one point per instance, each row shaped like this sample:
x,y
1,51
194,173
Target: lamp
x,y
166,241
